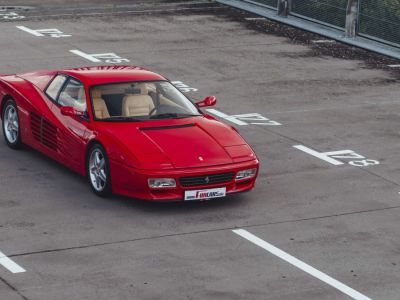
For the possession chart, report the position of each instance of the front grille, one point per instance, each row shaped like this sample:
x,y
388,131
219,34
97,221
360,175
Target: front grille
x,y
206,179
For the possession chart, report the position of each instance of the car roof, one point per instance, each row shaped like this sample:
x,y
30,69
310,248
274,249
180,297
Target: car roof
x,y
111,74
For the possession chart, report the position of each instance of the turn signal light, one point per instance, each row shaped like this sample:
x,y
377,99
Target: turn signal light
x,y
246,174
160,183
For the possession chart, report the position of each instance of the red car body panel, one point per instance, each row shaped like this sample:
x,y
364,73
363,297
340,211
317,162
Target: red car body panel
x,y
136,150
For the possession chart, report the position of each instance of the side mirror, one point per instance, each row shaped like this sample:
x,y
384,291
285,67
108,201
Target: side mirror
x,y
208,101
71,112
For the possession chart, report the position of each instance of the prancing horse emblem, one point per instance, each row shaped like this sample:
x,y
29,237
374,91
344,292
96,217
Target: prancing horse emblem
x,y
207,179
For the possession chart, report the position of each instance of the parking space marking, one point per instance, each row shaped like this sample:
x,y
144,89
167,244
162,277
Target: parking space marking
x,y
52,32
322,156
301,265
256,119
245,119
10,265
226,117
354,158
10,15
109,57
84,55
184,88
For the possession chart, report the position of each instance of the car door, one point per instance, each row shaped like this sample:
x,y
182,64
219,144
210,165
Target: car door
x,y
44,133
72,129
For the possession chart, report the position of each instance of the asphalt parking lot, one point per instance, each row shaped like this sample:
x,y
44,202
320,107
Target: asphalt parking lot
x,y
325,128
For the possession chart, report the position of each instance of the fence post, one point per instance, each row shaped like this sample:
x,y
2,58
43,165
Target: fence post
x,y
351,18
284,7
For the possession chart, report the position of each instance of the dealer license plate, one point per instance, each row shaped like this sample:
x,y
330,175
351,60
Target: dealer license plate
x,y
205,194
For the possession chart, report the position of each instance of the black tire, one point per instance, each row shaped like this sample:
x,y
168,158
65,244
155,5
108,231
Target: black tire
x,y
17,143
105,185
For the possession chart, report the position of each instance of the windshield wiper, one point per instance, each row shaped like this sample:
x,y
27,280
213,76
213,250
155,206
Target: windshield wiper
x,y
172,116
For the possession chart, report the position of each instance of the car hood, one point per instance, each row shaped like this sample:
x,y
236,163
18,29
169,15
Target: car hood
x,y
184,143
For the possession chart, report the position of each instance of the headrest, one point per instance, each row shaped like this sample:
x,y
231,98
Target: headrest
x,y
133,91
137,98
145,88
96,93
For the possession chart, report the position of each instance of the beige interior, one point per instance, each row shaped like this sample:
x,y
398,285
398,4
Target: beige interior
x,y
99,105
137,104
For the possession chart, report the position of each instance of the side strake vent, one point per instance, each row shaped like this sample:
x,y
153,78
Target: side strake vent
x,y
49,134
43,131
167,127
36,124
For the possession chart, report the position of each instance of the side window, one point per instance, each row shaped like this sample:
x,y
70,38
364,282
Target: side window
x,y
55,86
73,94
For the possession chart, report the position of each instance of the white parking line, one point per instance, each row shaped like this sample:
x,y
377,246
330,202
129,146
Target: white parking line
x,y
226,117
50,32
10,265
301,265
320,155
85,55
33,32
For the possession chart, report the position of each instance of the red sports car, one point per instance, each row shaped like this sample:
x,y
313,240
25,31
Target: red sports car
x,y
129,130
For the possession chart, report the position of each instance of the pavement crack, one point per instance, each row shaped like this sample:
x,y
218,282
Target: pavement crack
x,y
379,176
13,288
204,231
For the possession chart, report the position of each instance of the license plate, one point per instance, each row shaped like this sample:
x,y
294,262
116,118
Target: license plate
x,y
205,194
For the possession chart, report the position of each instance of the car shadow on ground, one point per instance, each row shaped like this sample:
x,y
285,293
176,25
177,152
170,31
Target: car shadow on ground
x,y
179,206
49,166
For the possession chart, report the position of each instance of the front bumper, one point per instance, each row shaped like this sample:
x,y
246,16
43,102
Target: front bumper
x,y
133,183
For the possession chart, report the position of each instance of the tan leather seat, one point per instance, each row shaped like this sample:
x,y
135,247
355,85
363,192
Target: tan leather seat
x,y
137,104
99,105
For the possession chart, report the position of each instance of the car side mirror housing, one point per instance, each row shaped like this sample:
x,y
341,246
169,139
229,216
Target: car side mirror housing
x,y
208,101
71,112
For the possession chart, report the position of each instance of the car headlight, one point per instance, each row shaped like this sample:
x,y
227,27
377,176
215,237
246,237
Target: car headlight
x,y
160,183
246,174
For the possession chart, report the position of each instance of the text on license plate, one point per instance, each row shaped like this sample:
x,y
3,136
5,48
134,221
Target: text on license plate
x,y
205,194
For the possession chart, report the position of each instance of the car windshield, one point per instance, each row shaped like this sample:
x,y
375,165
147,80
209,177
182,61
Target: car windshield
x,y
140,101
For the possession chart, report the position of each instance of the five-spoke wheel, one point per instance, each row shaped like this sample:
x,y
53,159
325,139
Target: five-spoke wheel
x,y
11,127
98,170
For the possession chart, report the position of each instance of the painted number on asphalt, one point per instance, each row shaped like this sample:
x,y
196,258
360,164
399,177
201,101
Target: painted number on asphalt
x,y
51,32
332,157
245,119
6,15
110,58
184,88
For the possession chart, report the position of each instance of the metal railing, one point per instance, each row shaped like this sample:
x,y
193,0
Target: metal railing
x,y
331,12
380,20
374,19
